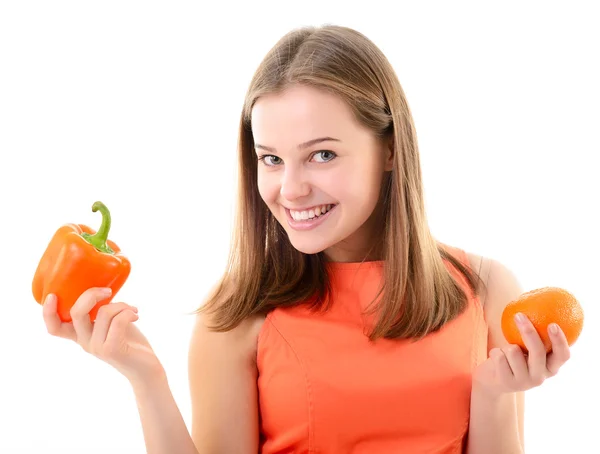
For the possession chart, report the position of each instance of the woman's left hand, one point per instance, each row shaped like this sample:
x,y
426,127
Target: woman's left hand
x,y
509,369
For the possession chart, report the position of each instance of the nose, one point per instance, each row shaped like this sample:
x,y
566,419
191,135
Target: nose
x,y
294,184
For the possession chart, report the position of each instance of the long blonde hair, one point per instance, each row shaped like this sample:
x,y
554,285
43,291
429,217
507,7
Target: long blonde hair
x,y
418,294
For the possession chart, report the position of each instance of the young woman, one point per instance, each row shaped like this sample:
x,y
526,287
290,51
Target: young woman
x,y
341,324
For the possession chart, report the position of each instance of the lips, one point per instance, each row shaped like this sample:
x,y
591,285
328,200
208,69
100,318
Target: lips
x,y
316,211
311,222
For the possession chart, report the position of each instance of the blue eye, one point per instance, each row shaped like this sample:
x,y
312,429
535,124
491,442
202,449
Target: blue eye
x,y
270,160
326,155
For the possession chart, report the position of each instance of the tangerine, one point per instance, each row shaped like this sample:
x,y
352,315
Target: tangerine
x,y
544,306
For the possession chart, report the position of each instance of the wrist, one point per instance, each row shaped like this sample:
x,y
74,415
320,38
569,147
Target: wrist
x,y
149,384
487,394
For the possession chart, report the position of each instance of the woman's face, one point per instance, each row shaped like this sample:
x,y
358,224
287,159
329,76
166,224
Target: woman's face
x,y
319,171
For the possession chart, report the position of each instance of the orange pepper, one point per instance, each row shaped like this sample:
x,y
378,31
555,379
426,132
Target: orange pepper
x,y
76,259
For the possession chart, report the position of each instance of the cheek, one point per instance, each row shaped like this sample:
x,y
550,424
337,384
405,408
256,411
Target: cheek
x,y
267,187
361,185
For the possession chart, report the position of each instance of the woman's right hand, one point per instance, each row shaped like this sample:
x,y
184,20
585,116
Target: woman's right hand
x,y
112,337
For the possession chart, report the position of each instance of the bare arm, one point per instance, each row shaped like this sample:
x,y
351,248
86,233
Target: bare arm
x,y
496,423
164,429
223,383
222,373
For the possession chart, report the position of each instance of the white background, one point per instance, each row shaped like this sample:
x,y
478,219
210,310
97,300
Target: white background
x,y
137,104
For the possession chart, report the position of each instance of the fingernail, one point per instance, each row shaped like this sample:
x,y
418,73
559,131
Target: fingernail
x,y
520,318
107,291
554,328
49,298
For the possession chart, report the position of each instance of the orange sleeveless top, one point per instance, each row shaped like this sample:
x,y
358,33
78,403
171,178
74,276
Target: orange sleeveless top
x,y
325,388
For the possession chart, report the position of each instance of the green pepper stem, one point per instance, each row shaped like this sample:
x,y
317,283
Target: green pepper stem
x,y
98,239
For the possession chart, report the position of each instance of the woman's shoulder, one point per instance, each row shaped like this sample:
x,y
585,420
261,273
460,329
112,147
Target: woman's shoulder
x,y
500,280
241,338
501,287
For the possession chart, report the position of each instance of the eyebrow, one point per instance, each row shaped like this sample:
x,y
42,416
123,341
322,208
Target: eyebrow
x,y
310,143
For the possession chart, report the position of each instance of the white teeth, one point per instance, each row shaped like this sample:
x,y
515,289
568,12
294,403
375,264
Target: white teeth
x,y
310,214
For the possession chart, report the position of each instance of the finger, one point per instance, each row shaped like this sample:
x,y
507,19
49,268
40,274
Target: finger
x,y
503,371
517,362
54,325
536,358
118,328
103,320
560,349
80,312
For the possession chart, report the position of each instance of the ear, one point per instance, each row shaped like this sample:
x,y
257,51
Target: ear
x,y
390,154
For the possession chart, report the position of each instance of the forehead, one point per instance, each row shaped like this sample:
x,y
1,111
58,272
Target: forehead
x,y
298,114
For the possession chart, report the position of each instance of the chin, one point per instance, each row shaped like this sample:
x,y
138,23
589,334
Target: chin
x,y
307,247
311,241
